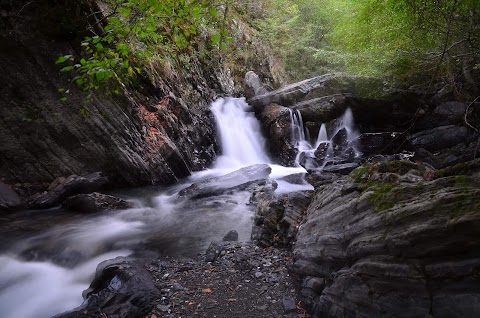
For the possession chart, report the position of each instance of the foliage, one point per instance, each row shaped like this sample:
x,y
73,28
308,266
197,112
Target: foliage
x,y
131,32
406,40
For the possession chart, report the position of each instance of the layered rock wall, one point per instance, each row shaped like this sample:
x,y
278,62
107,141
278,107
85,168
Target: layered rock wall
x,y
156,135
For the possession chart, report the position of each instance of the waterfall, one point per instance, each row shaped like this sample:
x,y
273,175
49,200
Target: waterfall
x,y
331,148
322,135
45,272
242,143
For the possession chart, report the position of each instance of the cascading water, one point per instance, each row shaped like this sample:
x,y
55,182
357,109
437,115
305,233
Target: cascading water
x,y
241,140
330,147
45,272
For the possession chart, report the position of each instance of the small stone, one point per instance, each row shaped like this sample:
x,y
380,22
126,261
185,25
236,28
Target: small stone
x,y
258,274
289,304
262,307
163,308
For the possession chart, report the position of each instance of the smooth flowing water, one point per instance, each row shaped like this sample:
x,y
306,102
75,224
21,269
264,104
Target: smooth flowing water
x,y
306,148
49,257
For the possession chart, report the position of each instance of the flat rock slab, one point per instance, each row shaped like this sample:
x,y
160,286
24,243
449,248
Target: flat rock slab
x,y
217,185
290,94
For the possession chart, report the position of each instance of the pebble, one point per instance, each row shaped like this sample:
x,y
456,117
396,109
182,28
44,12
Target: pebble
x,y
289,304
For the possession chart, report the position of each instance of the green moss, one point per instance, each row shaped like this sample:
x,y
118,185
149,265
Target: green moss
x,y
463,181
466,168
400,167
360,174
383,196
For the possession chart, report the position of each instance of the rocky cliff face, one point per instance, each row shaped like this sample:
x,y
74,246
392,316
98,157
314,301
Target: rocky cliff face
x,y
395,239
156,136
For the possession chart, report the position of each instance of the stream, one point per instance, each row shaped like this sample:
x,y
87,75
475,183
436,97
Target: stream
x,y
48,257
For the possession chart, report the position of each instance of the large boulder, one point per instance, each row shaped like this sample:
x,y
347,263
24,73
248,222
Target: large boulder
x,y
62,188
296,92
218,185
443,114
441,138
121,288
394,239
277,218
94,202
323,109
276,123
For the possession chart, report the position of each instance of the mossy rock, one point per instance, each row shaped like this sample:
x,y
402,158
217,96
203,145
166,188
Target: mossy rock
x,y
466,168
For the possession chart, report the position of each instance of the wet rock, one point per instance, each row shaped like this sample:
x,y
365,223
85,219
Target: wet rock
x,y
121,288
426,156
9,199
440,138
381,142
321,152
277,127
343,169
213,251
447,113
390,238
72,185
263,191
277,218
231,236
297,178
340,141
214,186
322,109
94,202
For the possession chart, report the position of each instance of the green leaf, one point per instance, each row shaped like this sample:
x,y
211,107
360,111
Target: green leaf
x,y
60,60
216,38
100,75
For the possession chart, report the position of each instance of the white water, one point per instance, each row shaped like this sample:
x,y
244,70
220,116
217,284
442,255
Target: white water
x,y
45,274
303,144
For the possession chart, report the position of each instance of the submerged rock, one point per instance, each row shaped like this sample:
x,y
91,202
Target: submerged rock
x,y
94,202
217,185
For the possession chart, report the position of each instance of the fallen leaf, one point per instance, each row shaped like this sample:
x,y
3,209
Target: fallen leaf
x,y
208,291
193,303
232,299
